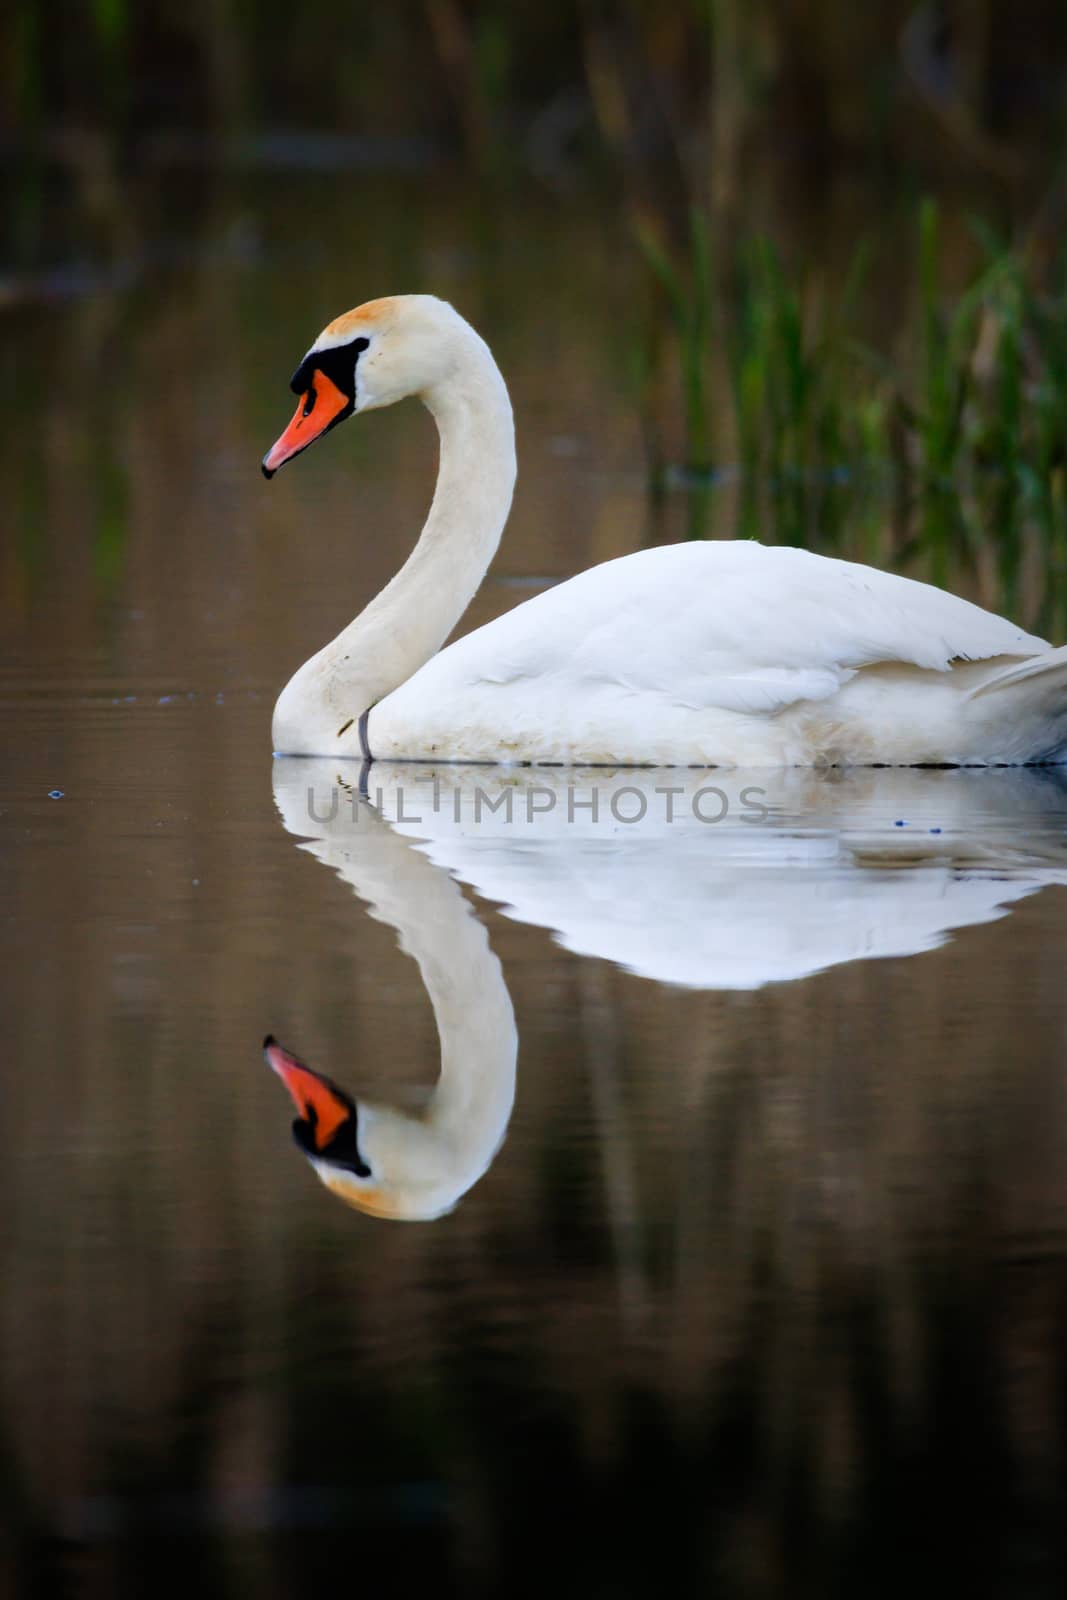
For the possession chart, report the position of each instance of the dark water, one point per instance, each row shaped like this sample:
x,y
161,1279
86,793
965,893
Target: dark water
x,y
765,1291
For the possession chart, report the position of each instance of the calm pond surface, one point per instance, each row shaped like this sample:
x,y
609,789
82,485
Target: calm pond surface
x,y
764,1291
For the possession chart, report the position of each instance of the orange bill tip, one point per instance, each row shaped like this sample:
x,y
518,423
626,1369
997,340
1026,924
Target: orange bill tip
x,y
319,1103
317,409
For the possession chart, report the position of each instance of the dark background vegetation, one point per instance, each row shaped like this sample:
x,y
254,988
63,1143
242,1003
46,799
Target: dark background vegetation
x,y
845,222
939,90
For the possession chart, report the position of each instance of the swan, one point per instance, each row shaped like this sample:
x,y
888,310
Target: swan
x,y
376,1159
723,653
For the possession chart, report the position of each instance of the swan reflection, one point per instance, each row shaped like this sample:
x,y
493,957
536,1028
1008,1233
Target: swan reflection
x,y
717,880
381,1160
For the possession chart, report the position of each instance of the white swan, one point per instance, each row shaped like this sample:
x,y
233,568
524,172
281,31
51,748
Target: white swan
x,y
727,654
375,1158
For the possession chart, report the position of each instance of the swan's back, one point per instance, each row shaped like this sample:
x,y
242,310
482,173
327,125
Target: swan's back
x,y
632,649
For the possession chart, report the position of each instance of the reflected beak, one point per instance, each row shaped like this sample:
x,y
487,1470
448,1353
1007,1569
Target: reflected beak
x,y
318,409
319,1102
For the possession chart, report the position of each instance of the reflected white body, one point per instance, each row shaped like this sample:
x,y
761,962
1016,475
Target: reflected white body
x,y
801,871
727,654
757,878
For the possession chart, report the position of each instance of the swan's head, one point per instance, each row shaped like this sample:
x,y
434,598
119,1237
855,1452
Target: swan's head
x,y
407,344
373,1158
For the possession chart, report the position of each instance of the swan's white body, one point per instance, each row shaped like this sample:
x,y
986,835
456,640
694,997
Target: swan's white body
x,y
725,654
721,654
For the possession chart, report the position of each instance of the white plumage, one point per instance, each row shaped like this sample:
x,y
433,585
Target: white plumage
x,y
715,653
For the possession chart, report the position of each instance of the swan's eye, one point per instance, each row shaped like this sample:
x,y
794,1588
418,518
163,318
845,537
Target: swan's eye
x,y
340,1149
337,363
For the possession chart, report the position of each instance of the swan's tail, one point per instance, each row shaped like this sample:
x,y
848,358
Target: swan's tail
x,y
1026,703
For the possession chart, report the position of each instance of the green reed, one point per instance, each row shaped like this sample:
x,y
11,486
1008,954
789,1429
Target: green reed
x,y
688,289
945,445
788,369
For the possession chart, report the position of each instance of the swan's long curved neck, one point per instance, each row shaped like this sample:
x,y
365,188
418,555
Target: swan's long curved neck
x,y
413,615
426,1162
469,1108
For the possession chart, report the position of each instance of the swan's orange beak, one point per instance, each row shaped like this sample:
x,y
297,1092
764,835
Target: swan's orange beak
x,y
317,410
319,1103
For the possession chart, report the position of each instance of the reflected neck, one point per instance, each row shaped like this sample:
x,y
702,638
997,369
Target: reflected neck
x,y
425,1163
407,623
422,1163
